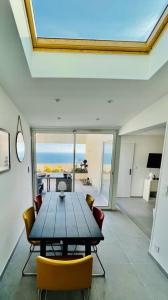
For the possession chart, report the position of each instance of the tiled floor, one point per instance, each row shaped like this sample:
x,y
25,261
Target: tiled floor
x,y
140,212
131,274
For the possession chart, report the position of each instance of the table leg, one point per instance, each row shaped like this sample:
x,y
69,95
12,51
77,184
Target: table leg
x,y
42,248
49,184
87,249
64,249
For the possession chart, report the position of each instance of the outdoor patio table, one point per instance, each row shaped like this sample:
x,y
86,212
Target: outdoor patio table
x,y
68,220
58,177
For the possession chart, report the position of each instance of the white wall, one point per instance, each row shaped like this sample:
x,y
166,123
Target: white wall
x,y
154,115
144,144
15,185
159,239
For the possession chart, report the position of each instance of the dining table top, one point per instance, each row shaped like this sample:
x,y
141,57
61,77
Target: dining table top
x,y
68,219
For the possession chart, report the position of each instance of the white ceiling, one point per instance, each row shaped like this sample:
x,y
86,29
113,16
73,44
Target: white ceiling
x,y
82,100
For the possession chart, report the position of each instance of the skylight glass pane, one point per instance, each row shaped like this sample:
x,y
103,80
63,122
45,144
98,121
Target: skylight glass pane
x,y
117,20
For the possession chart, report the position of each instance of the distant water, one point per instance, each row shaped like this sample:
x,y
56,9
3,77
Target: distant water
x,y
64,158
58,158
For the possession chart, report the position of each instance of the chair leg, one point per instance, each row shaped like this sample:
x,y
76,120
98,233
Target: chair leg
x,y
96,274
39,294
88,293
30,253
53,249
95,251
85,294
45,295
23,270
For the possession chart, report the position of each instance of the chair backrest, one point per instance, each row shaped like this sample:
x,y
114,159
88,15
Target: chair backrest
x,y
29,218
57,275
99,216
89,200
38,202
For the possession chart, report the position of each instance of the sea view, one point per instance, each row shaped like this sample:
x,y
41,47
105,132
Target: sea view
x,y
64,158
58,158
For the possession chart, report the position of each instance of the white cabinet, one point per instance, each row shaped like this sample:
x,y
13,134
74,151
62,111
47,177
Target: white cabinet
x,y
149,186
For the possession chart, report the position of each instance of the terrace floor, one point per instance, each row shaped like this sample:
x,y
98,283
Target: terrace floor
x,y
100,199
131,274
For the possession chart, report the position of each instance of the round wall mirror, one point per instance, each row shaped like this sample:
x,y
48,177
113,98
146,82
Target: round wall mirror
x,y
20,146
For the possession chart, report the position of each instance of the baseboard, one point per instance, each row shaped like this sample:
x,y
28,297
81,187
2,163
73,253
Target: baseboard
x,y
8,261
160,267
107,208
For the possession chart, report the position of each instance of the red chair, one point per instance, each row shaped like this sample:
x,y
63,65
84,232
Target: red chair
x,y
38,202
99,217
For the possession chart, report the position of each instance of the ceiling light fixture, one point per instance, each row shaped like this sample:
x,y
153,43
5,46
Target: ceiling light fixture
x,y
57,100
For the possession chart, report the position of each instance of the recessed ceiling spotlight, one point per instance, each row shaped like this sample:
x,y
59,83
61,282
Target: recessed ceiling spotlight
x,y
110,101
57,100
97,119
59,118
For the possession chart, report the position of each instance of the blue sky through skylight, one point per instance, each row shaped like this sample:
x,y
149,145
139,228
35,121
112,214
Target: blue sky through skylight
x,y
120,20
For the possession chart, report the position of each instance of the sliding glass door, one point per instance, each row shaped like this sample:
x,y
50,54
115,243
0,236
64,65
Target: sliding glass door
x,y
54,155
83,160
106,168
93,173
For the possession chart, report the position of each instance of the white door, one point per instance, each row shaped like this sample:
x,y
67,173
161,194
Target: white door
x,y
125,170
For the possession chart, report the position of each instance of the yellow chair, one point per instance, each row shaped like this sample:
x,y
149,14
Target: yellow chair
x,y
56,275
29,218
89,200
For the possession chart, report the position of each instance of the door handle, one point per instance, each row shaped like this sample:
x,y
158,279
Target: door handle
x,y
130,171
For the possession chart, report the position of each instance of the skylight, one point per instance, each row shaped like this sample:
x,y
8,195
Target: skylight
x,y
107,20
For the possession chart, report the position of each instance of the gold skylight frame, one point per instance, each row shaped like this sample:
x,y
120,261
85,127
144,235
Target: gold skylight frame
x,y
94,46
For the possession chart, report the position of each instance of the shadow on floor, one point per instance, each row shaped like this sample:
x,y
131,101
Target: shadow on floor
x,y
139,211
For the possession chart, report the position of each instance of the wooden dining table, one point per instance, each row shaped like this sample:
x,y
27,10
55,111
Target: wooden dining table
x,y
67,220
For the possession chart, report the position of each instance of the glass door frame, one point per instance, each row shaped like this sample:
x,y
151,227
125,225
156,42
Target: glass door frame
x,y
102,168
112,192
